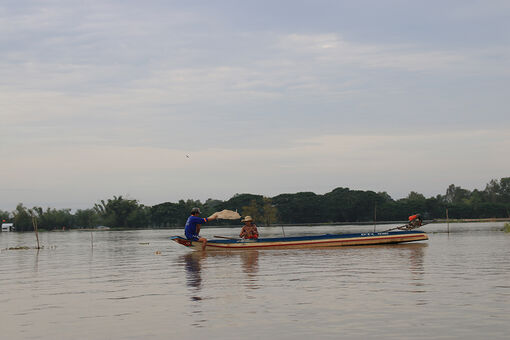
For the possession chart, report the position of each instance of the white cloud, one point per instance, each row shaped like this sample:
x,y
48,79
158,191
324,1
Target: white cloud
x,y
104,97
397,164
334,50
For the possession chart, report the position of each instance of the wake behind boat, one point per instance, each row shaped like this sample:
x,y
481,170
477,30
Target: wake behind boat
x,y
318,241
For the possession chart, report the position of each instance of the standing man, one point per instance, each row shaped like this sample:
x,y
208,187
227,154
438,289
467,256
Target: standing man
x,y
192,228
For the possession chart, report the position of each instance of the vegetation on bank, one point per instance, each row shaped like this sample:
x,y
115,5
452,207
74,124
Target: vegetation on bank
x,y
339,205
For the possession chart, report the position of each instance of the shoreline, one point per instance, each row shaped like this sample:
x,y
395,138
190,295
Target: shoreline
x,y
279,225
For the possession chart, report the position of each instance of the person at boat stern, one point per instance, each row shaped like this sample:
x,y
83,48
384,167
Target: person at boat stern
x,y
415,221
249,230
192,228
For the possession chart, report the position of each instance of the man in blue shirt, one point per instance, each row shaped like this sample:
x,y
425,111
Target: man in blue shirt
x,y
192,228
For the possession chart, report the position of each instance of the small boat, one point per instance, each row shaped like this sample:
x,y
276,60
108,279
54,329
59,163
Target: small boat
x,y
326,240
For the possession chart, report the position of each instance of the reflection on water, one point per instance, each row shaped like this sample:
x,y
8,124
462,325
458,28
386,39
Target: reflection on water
x,y
192,262
250,261
196,266
193,267
414,253
139,285
36,261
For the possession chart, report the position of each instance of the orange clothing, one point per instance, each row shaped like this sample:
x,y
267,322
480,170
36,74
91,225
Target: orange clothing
x,y
415,220
413,217
249,231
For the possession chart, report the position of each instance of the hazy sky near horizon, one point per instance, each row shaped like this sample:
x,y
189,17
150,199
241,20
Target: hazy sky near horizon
x,y
103,98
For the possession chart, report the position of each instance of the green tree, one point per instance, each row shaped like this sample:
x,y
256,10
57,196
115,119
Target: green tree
x,y
166,215
504,185
456,194
241,200
345,205
50,219
86,218
492,191
264,212
415,203
122,213
339,205
414,196
302,207
253,210
22,218
212,205
269,211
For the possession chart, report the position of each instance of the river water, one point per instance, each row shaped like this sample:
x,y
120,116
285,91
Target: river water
x,y
139,285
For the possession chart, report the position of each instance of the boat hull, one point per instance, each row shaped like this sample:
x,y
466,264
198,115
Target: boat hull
x,y
307,241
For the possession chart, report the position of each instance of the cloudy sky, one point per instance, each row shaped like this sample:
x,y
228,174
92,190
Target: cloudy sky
x,y
168,100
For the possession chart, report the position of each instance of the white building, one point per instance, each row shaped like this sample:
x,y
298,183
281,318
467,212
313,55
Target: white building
x,y
7,227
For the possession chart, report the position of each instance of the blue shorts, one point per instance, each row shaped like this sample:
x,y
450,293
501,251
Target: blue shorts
x,y
192,237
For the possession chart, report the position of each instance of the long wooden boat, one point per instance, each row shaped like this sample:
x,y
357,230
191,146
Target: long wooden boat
x,y
327,240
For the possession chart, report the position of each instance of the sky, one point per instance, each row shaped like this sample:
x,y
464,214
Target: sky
x,y
166,100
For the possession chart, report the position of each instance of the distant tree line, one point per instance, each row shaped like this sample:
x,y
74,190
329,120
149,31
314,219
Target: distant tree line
x,y
339,205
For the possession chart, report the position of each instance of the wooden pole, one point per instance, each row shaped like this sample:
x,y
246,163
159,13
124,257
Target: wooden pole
x,y
447,221
375,215
226,237
34,223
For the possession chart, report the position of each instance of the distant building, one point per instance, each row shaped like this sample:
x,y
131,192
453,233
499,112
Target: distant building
x,y
7,227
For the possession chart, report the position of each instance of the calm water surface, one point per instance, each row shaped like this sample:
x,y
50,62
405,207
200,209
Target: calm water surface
x,y
139,285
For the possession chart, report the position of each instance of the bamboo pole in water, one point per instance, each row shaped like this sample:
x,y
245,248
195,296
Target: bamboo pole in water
x,y
34,223
375,215
447,221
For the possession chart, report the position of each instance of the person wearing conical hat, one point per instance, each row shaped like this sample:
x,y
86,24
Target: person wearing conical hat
x,y
249,230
